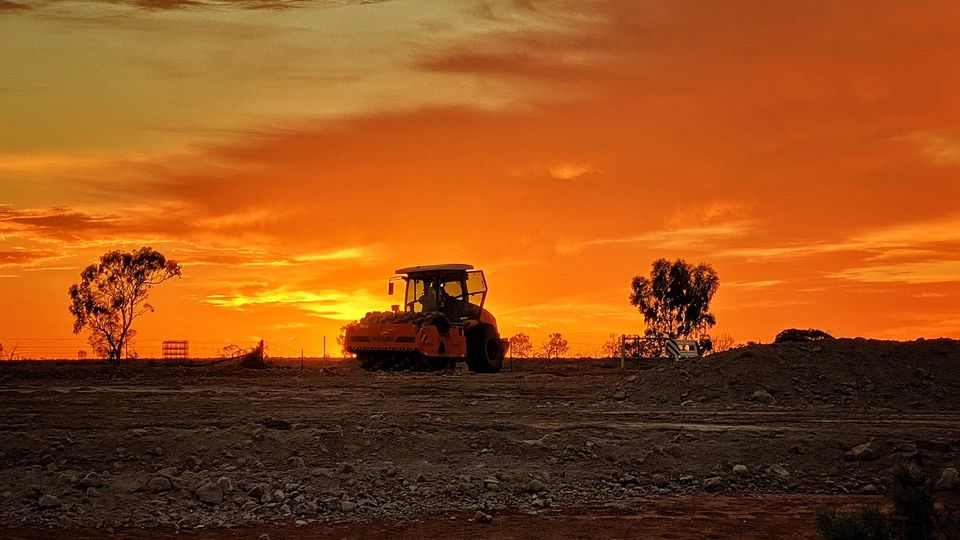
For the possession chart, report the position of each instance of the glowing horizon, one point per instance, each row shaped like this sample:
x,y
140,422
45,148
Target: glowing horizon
x,y
292,154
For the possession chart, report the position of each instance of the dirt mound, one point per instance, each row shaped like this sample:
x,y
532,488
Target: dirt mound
x,y
915,375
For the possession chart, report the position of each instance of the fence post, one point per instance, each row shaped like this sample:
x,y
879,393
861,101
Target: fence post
x,y
623,351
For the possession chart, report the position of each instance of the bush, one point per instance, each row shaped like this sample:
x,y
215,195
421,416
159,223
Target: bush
x,y
866,524
912,498
914,515
796,334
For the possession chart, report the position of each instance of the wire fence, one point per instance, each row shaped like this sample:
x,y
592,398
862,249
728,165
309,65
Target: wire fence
x,y
78,349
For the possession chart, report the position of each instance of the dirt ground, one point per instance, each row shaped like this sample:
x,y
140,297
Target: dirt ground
x,y
724,446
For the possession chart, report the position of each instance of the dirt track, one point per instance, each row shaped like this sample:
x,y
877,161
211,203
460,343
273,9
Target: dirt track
x,y
146,446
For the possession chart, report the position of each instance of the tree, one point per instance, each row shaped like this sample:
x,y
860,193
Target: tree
x,y
555,346
232,351
723,342
611,347
113,293
342,340
675,299
520,346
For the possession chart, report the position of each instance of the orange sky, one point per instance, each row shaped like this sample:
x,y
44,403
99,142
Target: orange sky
x,y
292,153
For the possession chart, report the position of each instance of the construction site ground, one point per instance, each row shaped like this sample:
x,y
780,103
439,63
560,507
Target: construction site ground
x,y
749,443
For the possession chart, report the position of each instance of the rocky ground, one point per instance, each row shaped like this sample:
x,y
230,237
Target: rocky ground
x,y
161,449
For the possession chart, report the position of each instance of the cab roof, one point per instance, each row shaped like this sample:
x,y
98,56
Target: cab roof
x,y
435,269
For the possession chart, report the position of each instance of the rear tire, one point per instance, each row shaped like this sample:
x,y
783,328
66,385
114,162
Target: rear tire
x,y
484,350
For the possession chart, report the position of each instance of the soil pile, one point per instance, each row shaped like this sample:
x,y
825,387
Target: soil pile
x,y
856,373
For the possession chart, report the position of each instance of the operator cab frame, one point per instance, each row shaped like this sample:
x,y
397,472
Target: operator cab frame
x,y
456,290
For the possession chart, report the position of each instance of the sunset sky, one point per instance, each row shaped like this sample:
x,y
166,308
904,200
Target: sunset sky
x,y
291,154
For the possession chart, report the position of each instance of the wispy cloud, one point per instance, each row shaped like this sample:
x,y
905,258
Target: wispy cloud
x,y
907,240
195,5
58,222
668,238
763,284
32,259
10,6
331,303
570,171
944,271
940,148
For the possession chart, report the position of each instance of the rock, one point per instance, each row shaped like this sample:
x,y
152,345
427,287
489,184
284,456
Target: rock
x,y
869,489
210,493
713,484
740,470
948,479
300,523
193,462
863,452
763,396
619,395
535,486
226,486
674,451
686,403
296,462
257,491
347,507
627,480
264,536
93,492
126,484
278,496
483,518
344,468
48,501
660,480
158,484
778,470
91,480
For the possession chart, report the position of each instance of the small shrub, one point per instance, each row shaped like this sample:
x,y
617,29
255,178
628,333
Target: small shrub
x,y
796,334
912,498
865,524
914,515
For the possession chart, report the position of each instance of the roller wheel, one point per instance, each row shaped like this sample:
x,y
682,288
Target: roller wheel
x,y
484,351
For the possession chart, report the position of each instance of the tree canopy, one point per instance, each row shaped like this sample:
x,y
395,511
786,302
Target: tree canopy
x,y
113,293
797,334
555,346
675,299
520,346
